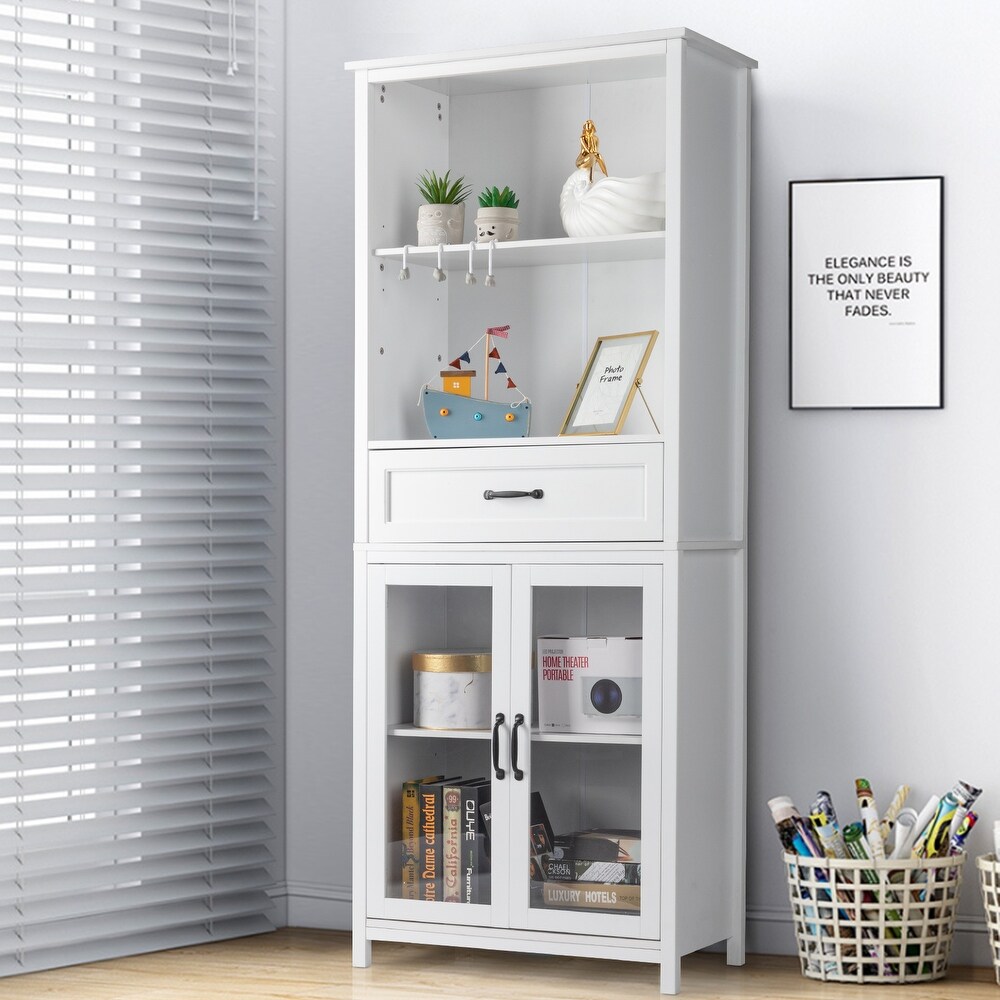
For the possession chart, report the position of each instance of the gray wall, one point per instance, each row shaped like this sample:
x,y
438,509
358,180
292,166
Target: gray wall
x,y
875,549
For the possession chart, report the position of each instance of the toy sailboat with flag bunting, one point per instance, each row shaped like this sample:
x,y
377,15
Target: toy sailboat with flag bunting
x,y
454,412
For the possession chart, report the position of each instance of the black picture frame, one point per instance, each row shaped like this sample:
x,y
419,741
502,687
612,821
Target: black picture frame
x,y
866,293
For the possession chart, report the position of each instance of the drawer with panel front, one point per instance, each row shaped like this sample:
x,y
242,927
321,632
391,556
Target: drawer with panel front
x,y
578,492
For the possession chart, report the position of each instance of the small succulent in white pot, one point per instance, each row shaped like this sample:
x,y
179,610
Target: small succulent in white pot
x,y
442,219
497,218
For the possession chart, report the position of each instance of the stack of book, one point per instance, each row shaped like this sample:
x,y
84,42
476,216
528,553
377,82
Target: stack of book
x,y
587,870
594,870
446,839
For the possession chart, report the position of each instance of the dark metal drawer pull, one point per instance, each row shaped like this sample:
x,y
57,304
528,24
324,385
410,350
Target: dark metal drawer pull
x,y
498,722
512,494
518,773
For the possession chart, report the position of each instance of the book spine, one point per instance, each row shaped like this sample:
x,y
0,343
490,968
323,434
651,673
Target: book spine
x,y
579,870
470,850
484,813
427,865
624,898
451,842
411,839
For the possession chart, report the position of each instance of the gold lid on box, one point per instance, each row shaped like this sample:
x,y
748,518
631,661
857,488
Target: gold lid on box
x,y
453,662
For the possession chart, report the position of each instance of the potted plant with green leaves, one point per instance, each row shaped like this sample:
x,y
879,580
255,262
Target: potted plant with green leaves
x,y
442,219
497,217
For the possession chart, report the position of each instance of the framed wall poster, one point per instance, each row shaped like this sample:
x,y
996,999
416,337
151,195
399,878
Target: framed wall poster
x,y
866,299
609,381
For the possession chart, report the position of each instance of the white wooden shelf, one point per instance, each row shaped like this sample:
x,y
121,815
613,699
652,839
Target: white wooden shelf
x,y
536,253
537,736
570,440
408,729
603,739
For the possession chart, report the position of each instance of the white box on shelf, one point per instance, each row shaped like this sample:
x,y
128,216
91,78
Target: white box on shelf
x,y
590,684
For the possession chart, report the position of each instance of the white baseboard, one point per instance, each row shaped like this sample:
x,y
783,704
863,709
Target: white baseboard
x,y
769,932
316,904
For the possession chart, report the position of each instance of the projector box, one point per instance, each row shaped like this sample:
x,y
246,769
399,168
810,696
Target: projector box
x,y
590,684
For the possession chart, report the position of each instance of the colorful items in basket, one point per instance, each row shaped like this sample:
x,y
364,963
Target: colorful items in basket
x,y
887,920
939,829
874,921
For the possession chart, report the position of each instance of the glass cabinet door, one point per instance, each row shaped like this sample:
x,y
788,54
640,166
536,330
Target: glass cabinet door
x,y
438,647
586,694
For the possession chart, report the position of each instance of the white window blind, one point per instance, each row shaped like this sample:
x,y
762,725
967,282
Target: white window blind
x,y
137,470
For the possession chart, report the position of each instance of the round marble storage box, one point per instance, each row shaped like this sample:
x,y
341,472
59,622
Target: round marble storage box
x,y
451,690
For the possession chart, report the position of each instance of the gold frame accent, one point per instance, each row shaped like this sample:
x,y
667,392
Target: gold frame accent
x,y
583,386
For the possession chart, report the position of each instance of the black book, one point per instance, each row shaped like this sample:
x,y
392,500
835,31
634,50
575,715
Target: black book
x,y
600,845
475,877
540,818
541,838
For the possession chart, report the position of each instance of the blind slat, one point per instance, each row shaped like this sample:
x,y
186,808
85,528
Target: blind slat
x,y
82,583
175,508
127,773
179,15
210,266
50,838
72,807
132,850
176,675
170,652
222,696
95,950
142,918
178,483
132,897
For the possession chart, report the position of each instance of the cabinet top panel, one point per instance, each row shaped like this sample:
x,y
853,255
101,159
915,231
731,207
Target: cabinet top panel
x,y
636,55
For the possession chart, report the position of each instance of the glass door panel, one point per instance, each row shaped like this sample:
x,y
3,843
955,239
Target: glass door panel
x,y
590,657
442,668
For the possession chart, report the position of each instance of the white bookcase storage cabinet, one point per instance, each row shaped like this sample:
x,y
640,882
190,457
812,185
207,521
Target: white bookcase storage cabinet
x,y
641,534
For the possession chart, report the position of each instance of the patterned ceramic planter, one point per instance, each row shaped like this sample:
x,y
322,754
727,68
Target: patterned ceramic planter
x,y
440,224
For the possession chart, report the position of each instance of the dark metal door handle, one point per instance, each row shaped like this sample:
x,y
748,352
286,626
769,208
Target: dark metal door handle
x,y
518,773
497,723
512,494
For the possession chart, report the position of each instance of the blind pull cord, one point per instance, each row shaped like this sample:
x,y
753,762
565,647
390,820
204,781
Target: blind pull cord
x,y
256,110
232,70
234,66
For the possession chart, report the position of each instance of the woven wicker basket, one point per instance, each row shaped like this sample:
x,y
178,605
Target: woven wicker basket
x,y
874,921
989,882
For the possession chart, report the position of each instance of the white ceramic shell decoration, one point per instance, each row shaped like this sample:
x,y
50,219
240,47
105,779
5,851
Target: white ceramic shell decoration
x,y
611,206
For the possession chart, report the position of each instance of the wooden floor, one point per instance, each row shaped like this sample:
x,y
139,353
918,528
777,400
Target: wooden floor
x,y
316,965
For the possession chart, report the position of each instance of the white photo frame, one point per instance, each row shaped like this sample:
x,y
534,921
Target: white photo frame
x,y
866,322
610,380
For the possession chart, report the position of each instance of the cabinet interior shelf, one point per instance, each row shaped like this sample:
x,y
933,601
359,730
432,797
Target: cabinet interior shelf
x,y
535,253
569,441
409,730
